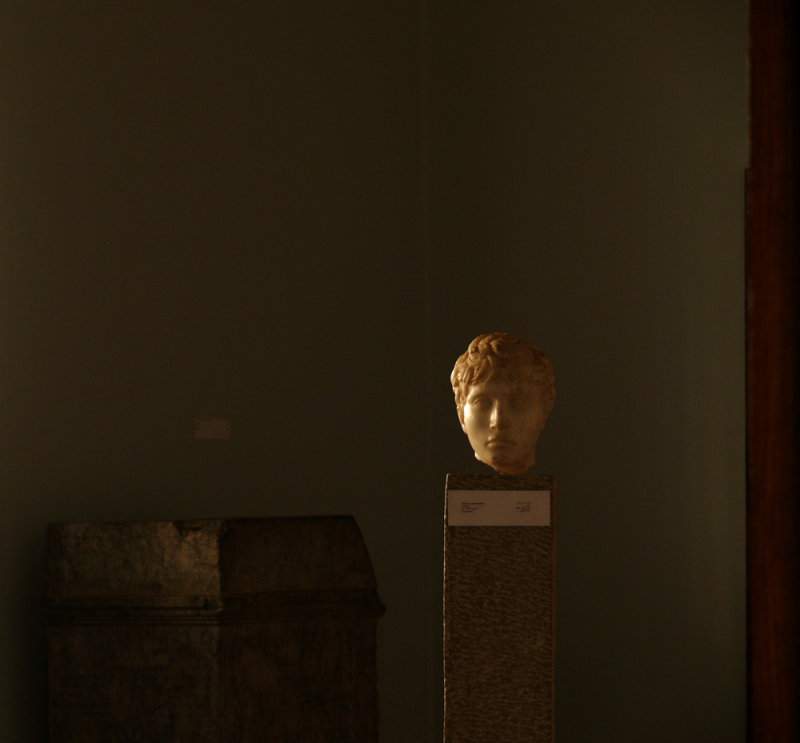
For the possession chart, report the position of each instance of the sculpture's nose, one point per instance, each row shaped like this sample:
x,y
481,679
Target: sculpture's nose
x,y
499,416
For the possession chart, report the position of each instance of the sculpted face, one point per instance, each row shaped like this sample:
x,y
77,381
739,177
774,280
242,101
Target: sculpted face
x,y
503,420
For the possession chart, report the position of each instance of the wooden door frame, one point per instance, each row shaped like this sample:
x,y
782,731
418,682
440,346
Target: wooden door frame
x,y
773,392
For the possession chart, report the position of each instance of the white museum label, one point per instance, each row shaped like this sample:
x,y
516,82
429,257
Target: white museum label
x,y
498,508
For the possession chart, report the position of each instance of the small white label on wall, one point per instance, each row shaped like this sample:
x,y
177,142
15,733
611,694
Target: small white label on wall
x,y
212,428
498,508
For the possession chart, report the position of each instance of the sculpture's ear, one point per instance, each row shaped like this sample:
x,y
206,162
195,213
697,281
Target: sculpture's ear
x,y
461,418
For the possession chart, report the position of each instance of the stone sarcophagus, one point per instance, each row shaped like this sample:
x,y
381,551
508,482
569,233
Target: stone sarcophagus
x,y
211,631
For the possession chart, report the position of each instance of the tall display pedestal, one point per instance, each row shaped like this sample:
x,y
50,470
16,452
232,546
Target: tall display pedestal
x,y
499,608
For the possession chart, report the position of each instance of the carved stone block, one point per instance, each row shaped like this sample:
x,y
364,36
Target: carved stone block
x,y
207,631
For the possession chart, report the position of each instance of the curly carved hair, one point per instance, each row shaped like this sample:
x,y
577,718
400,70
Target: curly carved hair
x,y
503,354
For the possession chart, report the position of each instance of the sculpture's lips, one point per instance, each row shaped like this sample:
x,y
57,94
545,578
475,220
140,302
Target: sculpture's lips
x,y
499,442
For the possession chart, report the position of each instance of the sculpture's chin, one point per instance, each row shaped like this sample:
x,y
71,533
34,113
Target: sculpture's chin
x,y
516,468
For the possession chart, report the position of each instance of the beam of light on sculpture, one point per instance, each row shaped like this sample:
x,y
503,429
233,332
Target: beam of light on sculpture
x,y
504,389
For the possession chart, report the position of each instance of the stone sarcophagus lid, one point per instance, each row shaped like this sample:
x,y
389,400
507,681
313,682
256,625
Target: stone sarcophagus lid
x,y
211,631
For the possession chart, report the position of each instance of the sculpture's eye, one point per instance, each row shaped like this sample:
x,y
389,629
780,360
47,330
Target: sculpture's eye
x,y
520,402
480,403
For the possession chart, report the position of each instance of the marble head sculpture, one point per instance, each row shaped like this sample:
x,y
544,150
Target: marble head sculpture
x,y
504,389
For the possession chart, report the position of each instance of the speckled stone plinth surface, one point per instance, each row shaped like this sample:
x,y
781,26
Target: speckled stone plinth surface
x,y
499,623
211,631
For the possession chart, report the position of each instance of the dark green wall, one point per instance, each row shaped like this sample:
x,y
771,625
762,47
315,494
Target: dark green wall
x,y
588,185
297,215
